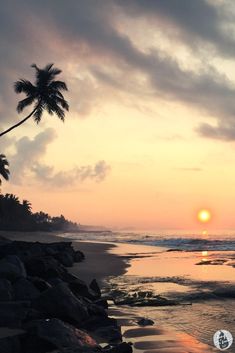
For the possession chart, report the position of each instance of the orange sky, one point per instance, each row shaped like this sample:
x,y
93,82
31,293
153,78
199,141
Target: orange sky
x,y
150,159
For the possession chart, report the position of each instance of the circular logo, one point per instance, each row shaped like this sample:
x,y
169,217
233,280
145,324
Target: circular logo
x,y
223,340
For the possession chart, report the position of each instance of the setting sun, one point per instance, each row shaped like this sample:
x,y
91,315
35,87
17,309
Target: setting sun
x,y
204,216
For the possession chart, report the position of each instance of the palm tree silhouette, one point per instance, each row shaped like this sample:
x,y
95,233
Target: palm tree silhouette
x,y
4,170
45,94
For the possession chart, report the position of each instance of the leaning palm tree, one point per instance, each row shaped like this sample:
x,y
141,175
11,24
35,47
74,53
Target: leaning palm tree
x,y
4,168
45,94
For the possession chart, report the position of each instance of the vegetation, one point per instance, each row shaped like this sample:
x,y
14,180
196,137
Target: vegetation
x,y
4,168
18,216
45,94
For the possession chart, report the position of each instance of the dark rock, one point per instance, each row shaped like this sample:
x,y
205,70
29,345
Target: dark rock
x,y
10,345
145,322
95,288
23,289
5,290
97,321
40,283
13,313
60,334
123,347
11,267
79,288
44,267
96,310
110,333
61,303
54,281
102,302
65,258
78,256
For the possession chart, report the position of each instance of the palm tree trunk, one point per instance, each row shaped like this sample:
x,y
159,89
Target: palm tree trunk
x,y
19,123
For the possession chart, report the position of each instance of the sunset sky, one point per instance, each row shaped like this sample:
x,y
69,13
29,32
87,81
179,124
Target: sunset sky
x,y
150,135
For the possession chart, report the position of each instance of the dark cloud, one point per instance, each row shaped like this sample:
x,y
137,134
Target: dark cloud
x,y
27,161
197,22
86,32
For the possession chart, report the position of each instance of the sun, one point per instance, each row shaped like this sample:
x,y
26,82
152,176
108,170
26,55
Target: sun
x,y
204,216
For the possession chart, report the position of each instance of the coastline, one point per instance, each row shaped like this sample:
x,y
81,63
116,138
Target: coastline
x,y
100,263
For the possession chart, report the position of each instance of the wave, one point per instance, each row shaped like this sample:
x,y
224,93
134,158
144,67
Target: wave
x,y
184,242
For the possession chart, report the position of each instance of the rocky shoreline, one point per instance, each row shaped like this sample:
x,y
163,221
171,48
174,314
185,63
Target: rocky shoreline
x,y
51,309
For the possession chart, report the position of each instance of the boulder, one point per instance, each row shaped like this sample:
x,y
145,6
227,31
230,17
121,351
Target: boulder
x,y
11,267
5,290
61,303
78,256
145,322
10,345
123,347
39,283
44,267
95,288
65,258
102,302
13,313
23,289
60,334
96,310
79,288
109,333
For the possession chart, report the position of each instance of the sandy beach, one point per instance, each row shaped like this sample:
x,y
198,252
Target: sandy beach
x,y
109,261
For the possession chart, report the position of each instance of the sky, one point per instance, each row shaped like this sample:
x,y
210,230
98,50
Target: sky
x,y
150,135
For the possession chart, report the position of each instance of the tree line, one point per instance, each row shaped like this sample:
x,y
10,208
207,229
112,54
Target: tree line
x,y
18,216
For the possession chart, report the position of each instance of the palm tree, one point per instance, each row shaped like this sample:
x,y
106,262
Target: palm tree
x,y
4,170
45,94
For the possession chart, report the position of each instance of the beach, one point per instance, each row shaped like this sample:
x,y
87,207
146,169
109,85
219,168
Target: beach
x,y
118,267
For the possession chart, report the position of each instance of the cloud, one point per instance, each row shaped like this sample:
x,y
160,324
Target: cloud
x,y
27,161
195,22
46,175
84,38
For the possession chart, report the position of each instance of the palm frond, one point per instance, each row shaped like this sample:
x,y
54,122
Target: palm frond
x,y
38,114
63,103
24,86
24,103
58,85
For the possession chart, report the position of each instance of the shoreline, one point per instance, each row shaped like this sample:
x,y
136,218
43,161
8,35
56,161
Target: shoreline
x,y
100,264
97,255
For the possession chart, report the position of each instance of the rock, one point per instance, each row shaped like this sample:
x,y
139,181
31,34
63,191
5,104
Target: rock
x,y
79,288
10,345
96,310
65,258
110,333
11,267
40,283
54,281
95,288
145,322
61,303
98,321
78,256
23,289
5,290
60,334
13,313
123,347
44,267
102,302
